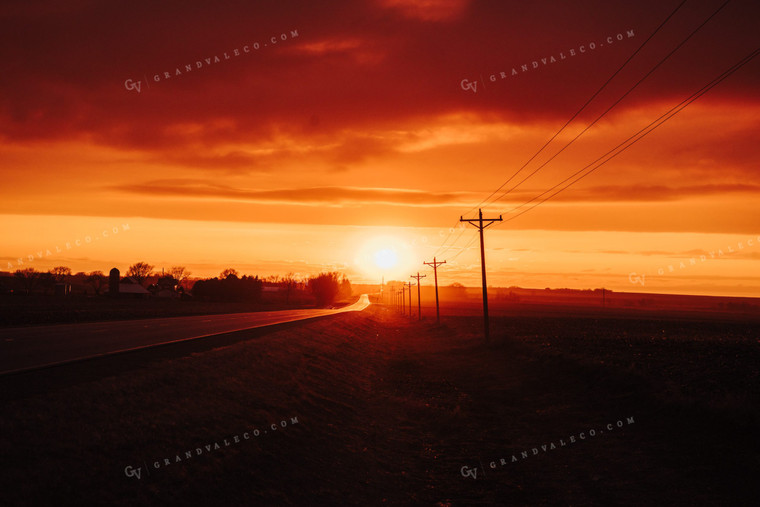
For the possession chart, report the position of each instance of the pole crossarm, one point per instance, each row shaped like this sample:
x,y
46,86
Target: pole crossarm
x,y
478,222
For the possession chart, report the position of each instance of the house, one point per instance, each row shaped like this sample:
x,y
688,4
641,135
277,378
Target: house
x,y
127,287
130,287
167,287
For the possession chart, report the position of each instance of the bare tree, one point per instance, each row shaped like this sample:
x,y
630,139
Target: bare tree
x,y
60,273
28,277
228,273
140,271
97,280
290,282
179,273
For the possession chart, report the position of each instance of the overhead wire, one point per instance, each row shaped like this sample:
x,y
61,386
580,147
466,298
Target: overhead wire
x,y
630,140
650,72
590,99
439,251
617,150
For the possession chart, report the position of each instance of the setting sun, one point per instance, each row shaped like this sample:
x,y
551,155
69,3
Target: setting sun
x,y
386,258
387,255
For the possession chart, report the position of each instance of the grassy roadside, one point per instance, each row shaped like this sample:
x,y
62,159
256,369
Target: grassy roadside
x,y
390,410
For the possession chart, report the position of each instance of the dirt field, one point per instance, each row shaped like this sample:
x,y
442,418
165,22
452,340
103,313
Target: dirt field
x,y
383,410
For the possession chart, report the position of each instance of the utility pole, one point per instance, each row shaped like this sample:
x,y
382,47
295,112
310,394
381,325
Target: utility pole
x,y
419,301
403,298
435,274
480,224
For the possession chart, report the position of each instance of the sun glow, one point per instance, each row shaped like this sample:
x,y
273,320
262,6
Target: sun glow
x,y
385,256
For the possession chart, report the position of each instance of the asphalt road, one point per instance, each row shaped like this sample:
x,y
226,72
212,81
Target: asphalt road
x,y
25,348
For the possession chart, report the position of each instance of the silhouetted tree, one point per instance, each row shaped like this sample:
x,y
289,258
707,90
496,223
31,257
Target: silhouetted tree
x,y
97,280
180,273
345,288
231,288
140,271
228,273
28,278
290,282
60,273
325,287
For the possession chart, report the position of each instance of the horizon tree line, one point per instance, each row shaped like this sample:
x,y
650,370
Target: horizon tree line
x,y
325,287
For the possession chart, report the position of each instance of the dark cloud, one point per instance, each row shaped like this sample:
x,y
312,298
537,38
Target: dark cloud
x,y
353,64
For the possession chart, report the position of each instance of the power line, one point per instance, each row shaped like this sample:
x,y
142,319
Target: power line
x,y
584,106
633,138
617,101
630,140
438,251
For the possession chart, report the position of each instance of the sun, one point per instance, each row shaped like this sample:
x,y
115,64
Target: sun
x,y
386,258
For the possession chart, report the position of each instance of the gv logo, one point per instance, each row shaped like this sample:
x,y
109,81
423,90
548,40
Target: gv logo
x,y
469,472
634,278
131,472
466,85
131,85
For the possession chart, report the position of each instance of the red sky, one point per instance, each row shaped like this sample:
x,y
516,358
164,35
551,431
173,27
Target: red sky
x,y
354,125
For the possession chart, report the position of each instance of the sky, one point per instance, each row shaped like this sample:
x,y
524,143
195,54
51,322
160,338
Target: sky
x,y
281,136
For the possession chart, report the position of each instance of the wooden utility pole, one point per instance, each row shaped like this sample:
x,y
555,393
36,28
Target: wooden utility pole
x,y
410,298
481,225
435,265
419,301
